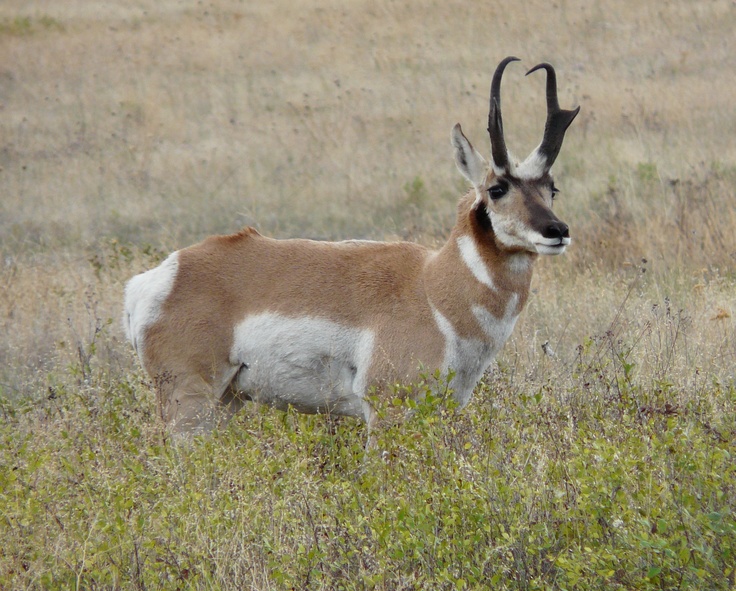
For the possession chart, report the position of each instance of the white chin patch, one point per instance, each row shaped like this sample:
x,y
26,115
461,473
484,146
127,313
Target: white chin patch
x,y
552,249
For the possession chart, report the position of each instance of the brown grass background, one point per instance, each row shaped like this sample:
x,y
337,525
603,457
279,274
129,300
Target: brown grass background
x,y
130,129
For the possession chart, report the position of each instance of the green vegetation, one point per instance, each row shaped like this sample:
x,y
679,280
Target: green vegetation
x,y
603,485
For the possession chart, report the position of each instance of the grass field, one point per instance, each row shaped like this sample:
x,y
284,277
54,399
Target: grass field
x,y
131,129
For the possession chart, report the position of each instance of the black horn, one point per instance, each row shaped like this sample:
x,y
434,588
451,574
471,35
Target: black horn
x,y
558,120
495,123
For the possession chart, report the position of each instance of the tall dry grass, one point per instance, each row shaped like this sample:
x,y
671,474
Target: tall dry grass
x,y
163,124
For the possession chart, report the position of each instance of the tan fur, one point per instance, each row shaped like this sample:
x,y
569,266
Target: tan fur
x,y
388,287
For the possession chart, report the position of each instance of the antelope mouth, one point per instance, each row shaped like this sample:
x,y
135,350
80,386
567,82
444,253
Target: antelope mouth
x,y
553,249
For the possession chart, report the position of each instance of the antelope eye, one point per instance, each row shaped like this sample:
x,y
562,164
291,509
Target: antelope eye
x,y
498,191
554,190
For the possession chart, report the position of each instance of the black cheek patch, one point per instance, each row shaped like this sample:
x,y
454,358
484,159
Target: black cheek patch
x,y
482,217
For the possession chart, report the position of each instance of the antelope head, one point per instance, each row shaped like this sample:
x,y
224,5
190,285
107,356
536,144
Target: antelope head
x,y
514,200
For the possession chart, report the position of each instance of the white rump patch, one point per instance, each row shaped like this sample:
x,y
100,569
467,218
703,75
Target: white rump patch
x,y
145,294
313,364
471,257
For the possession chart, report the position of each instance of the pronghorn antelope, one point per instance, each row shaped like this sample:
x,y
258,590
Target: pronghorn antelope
x,y
321,325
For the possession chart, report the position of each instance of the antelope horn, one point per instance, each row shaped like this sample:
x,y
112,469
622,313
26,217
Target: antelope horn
x,y
558,120
495,123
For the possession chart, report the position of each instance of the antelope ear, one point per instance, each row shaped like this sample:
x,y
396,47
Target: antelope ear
x,y
469,161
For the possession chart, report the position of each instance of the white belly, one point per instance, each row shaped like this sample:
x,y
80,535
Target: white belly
x,y
312,364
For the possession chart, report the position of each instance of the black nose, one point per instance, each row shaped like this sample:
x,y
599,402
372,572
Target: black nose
x,y
557,230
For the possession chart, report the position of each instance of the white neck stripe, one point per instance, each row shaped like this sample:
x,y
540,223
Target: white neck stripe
x,y
472,259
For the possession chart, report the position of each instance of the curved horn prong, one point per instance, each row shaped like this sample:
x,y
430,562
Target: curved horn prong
x,y
558,120
495,123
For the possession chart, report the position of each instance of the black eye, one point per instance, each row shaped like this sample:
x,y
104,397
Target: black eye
x,y
498,191
554,190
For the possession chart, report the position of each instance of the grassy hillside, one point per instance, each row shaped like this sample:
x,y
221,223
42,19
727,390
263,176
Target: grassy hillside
x,y
128,130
